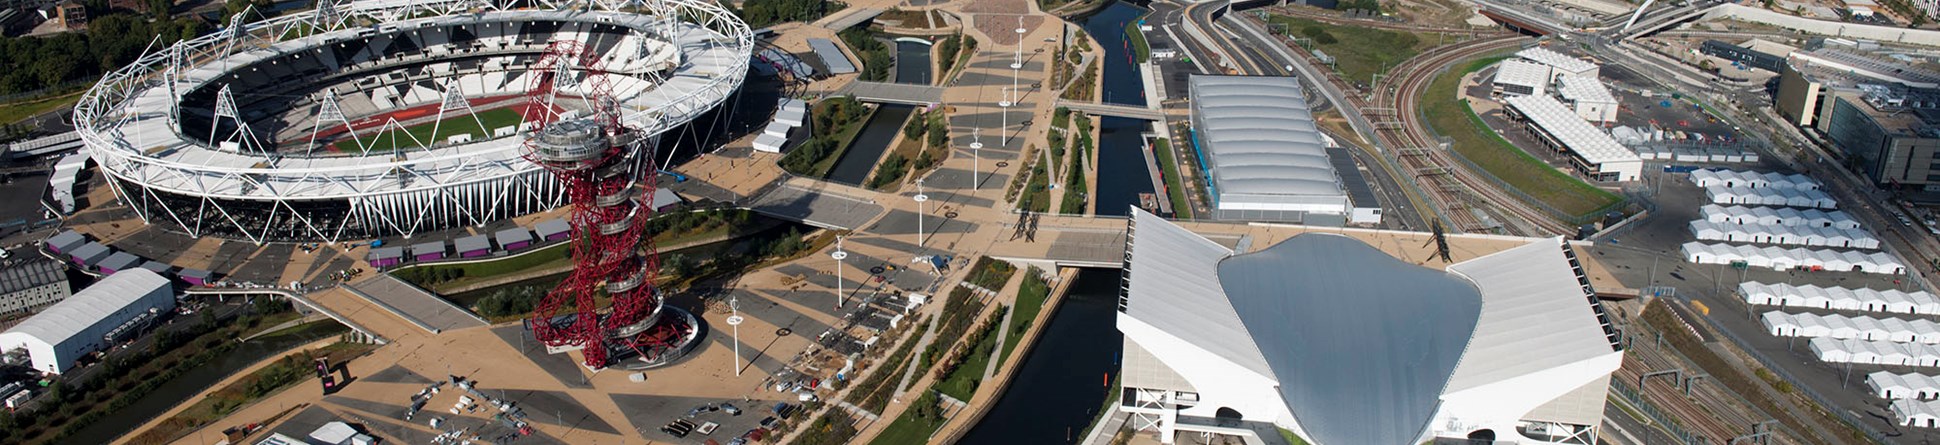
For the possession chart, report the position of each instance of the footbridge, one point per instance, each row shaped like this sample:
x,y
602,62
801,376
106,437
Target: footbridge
x,y
368,335
1113,110
893,93
1099,241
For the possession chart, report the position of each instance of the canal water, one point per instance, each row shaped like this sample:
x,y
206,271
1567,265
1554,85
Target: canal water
x,y
194,381
1123,173
912,67
1065,379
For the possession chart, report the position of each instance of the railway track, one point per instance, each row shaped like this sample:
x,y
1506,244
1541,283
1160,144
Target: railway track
x,y
1709,411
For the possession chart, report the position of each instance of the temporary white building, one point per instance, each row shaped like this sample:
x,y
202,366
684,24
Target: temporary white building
x,y
1873,352
1748,179
1707,230
85,322
1844,327
1917,413
1770,196
1793,258
1870,300
1785,216
1910,385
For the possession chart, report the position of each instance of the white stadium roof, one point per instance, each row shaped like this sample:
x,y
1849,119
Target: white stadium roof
x,y
1363,347
1582,138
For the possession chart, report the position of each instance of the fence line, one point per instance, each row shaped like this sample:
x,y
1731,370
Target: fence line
x,y
1843,414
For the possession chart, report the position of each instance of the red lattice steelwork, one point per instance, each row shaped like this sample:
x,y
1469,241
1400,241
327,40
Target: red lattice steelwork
x,y
575,133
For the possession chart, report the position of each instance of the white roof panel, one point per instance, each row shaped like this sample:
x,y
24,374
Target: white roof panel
x,y
1582,138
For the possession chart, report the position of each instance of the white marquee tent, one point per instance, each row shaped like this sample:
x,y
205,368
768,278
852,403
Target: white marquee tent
x,y
1892,386
1843,327
1875,352
1917,412
1793,258
1770,196
1784,216
1734,178
1870,300
1782,234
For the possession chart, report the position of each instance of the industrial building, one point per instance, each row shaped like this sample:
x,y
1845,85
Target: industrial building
x,y
1588,97
1558,63
1519,78
1326,336
1592,152
93,319
31,284
1755,57
1264,159
1890,133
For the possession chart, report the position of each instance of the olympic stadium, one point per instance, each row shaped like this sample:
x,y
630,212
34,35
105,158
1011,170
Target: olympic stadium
x,y
388,118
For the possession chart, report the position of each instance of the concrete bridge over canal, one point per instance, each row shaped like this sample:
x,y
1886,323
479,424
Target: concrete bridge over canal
x,y
1113,110
893,93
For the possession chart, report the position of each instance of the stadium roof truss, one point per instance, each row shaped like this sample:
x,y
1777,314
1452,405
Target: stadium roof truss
x,y
131,120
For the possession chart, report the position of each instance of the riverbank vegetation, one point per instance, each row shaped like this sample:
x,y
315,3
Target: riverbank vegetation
x,y
1076,185
916,424
954,51
1174,188
872,394
875,55
677,226
837,120
959,311
68,407
270,379
963,371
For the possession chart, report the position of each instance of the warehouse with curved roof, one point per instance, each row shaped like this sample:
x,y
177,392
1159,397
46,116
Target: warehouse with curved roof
x,y
91,320
1264,157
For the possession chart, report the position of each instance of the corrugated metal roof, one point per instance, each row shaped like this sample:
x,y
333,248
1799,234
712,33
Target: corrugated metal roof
x,y
552,227
1545,56
1259,137
1175,288
1584,89
30,275
832,56
473,243
1535,315
513,235
69,317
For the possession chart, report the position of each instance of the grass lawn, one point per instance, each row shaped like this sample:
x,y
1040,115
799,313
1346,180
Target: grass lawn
x,y
1478,143
1169,168
1030,301
907,429
18,111
1037,191
421,133
1358,52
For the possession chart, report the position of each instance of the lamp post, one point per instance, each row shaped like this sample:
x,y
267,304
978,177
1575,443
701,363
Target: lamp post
x,y
839,255
920,197
734,304
976,156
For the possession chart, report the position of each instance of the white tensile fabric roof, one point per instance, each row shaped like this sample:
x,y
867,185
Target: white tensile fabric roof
x,y
1905,386
1547,57
1718,176
1783,258
1517,72
1707,230
1844,327
1880,300
1770,196
1790,216
1584,89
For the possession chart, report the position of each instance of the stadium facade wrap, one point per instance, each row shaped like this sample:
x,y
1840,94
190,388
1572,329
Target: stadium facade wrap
x,y
386,118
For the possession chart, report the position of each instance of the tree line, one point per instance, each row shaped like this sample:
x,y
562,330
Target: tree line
x,y
34,63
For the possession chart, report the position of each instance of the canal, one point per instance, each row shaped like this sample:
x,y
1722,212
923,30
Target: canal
x,y
1123,173
912,67
193,381
1065,378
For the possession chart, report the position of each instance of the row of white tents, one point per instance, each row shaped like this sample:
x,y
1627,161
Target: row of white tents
x,y
1787,235
1843,327
791,114
1770,196
1875,352
1910,385
1917,413
1869,300
1793,258
1749,179
1783,216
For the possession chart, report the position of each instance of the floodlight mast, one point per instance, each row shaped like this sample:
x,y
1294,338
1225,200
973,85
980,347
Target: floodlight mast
x,y
576,133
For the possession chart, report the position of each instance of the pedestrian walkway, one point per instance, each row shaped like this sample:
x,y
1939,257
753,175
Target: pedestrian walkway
x,y
415,305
